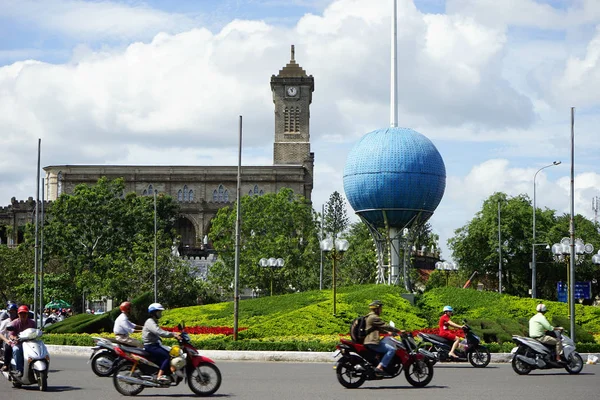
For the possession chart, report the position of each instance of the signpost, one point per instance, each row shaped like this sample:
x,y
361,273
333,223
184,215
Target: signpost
x,y
583,290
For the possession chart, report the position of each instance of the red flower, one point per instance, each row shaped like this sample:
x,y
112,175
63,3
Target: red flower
x,y
205,330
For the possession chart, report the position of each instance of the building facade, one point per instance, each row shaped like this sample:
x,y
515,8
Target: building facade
x,y
201,190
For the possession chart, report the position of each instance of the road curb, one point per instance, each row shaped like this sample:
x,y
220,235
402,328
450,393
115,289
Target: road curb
x,y
281,356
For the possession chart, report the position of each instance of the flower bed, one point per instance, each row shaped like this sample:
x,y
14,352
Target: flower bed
x,y
206,330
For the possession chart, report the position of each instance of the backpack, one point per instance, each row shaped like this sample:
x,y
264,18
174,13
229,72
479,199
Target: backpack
x,y
358,329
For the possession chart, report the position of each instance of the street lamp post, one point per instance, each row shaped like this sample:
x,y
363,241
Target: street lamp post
x,y
533,263
272,263
562,252
336,248
446,266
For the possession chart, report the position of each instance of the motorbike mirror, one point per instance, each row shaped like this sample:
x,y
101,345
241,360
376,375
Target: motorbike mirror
x,y
392,324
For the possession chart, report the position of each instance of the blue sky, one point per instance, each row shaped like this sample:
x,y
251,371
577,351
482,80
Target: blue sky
x,y
490,82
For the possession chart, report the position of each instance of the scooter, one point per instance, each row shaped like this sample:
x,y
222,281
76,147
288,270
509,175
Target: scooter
x,y
531,354
357,363
135,370
469,348
36,361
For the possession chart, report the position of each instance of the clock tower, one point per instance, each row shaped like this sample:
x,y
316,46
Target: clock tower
x,y
292,95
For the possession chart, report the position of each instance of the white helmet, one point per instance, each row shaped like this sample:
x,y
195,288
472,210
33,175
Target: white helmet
x,y
155,307
541,308
178,362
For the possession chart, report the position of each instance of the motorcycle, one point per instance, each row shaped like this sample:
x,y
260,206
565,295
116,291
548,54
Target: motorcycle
x,y
469,349
357,363
135,371
36,361
531,354
104,355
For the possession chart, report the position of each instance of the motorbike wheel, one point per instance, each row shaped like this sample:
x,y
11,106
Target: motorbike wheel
x,y
205,379
42,379
520,367
575,364
347,376
125,388
479,357
101,358
419,373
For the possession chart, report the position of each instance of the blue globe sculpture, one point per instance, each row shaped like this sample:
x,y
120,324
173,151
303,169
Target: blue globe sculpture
x,y
394,174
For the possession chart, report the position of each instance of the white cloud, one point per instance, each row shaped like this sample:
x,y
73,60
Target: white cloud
x,y
91,20
172,93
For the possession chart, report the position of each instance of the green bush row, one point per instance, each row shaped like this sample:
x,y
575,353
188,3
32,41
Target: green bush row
x,y
270,344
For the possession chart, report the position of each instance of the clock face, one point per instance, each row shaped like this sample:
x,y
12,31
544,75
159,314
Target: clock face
x,y
292,91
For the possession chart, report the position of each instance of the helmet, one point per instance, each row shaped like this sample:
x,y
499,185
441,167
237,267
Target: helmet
x,y
375,304
23,309
11,306
541,308
448,308
178,362
155,307
175,351
125,306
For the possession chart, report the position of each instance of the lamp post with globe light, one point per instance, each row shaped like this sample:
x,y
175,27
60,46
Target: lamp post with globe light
x,y
562,253
446,266
271,263
336,248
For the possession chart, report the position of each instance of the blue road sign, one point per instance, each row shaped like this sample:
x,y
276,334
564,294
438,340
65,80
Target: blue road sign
x,y
583,290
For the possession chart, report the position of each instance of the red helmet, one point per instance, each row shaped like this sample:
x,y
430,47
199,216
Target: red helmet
x,y
125,306
23,309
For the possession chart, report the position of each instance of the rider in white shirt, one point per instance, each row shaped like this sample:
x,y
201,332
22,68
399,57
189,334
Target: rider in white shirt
x,y
124,327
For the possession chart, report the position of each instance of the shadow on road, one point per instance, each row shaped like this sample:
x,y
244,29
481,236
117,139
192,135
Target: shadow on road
x,y
55,389
191,395
561,374
402,387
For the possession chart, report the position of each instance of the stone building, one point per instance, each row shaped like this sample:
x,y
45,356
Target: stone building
x,y
202,190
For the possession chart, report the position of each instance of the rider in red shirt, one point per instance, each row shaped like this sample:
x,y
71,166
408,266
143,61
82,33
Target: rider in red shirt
x,y
445,332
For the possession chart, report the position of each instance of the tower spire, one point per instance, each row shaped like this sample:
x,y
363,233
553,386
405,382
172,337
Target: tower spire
x,y
293,54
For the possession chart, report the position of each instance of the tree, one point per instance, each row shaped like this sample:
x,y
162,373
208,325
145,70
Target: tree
x,y
100,242
475,245
281,225
359,265
335,218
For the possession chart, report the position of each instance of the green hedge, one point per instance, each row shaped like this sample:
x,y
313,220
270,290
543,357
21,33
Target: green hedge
x,y
270,344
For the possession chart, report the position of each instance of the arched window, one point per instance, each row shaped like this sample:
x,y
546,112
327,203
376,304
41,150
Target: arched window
x,y
150,190
191,195
221,191
215,196
180,195
185,193
250,192
226,197
255,189
145,192
261,193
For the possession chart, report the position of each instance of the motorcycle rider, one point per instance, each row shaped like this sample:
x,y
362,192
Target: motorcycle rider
x,y
11,309
123,327
19,325
374,325
6,313
151,334
539,325
445,332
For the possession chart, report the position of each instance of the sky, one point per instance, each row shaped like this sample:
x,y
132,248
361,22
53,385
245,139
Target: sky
x,y
490,82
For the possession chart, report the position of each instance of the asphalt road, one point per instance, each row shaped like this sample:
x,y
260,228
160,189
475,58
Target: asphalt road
x,y
71,378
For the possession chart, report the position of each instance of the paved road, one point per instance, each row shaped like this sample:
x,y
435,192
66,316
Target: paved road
x,y
71,379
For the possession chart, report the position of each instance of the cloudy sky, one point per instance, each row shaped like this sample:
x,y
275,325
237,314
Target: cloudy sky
x,y
490,82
